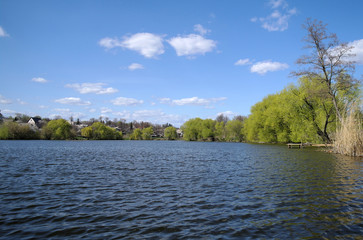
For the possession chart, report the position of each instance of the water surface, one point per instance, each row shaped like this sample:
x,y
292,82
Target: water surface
x,y
176,190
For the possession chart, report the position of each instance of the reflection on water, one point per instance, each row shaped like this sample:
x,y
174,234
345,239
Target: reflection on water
x,y
176,190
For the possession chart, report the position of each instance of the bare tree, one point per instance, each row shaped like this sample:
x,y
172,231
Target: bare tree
x,y
329,61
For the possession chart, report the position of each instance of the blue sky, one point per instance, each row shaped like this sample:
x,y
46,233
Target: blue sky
x,y
158,61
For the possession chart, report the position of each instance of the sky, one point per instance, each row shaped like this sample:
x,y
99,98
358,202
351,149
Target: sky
x,y
157,61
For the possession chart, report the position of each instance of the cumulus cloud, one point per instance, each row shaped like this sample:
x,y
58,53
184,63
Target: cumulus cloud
x,y
242,62
122,101
357,51
73,101
278,19
200,29
268,66
147,44
3,33
135,66
192,45
39,80
4,100
194,101
96,88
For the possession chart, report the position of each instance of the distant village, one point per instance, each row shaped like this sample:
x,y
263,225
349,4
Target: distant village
x,y
120,125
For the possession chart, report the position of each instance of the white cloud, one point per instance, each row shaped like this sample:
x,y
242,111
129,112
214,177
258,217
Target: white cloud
x,y
191,45
147,44
200,29
135,66
4,100
105,110
8,112
110,42
154,116
122,101
227,113
278,19
278,3
66,113
73,101
3,33
195,101
39,80
267,66
242,62
21,101
96,88
357,51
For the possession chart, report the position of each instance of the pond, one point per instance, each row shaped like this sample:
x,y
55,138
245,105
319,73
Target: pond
x,y
176,190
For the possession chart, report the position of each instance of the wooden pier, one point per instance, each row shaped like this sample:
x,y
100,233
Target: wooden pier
x,y
292,145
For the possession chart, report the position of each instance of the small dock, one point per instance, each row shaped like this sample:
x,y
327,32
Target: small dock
x,y
292,145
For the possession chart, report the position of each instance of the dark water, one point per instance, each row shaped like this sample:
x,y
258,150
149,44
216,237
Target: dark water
x,y
176,190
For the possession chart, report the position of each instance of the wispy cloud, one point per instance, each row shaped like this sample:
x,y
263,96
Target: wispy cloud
x,y
96,88
201,30
66,113
73,101
39,80
135,66
3,33
147,44
194,101
122,101
154,116
278,19
268,66
4,100
242,62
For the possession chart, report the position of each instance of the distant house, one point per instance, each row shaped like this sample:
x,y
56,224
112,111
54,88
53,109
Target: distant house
x,y
179,132
35,122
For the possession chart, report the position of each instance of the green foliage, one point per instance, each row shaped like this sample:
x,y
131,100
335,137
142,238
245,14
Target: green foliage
x,y
170,133
234,131
147,133
99,131
136,134
4,132
58,129
14,131
220,131
209,130
192,129
302,113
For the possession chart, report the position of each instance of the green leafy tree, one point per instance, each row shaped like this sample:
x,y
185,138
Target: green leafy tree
x,y
208,129
234,131
170,133
99,131
220,131
136,134
147,133
192,129
58,129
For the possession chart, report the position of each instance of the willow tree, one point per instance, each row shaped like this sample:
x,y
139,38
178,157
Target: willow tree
x,y
328,62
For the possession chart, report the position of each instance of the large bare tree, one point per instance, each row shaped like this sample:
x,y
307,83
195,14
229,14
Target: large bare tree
x,y
328,62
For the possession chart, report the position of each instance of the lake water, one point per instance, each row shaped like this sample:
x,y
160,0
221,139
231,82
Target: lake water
x,y
176,190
